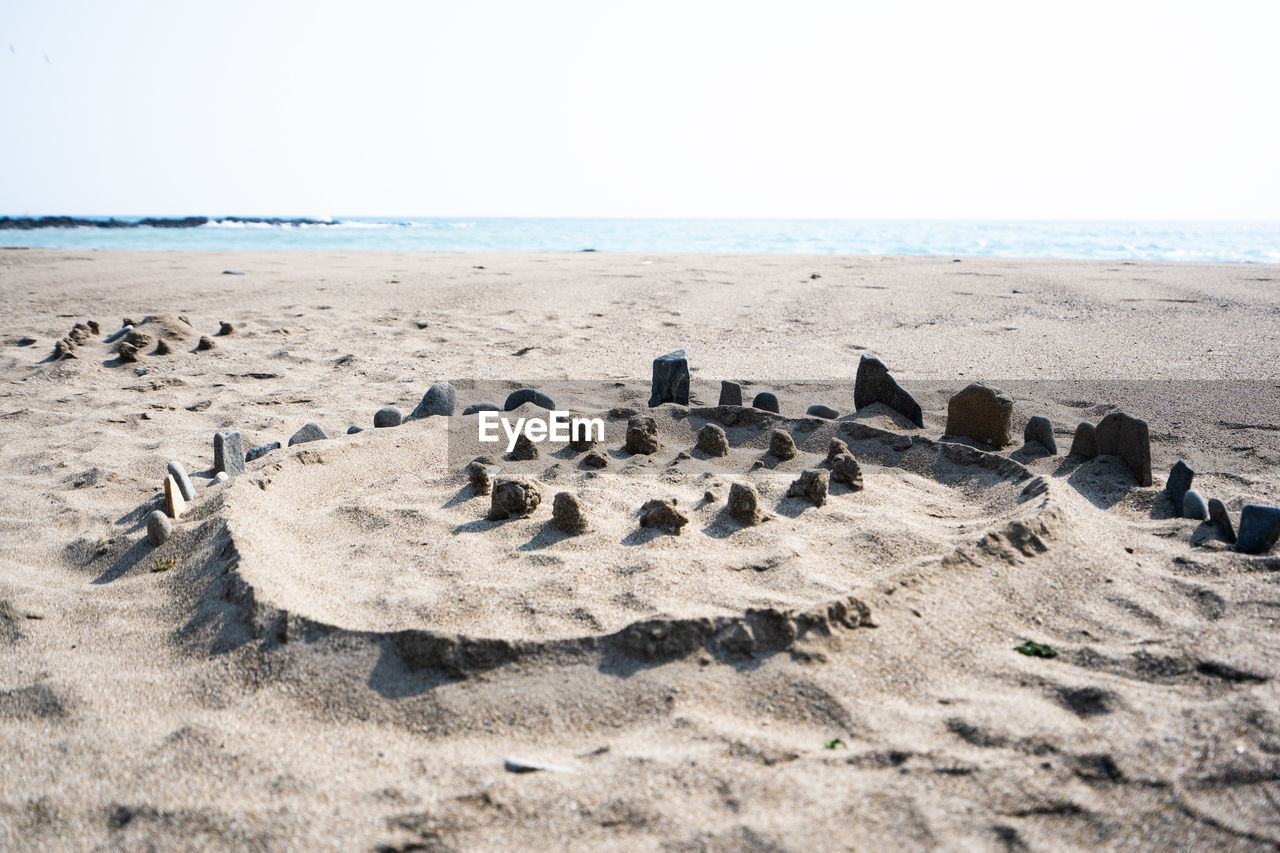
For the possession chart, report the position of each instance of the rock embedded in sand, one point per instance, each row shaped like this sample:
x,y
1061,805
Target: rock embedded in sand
x,y
127,352
220,477
484,406
1040,430
117,334
514,498
566,512
225,328
159,526
1180,477
524,449
810,485
64,349
834,449
163,347
206,343
353,429
845,469
1194,507
642,435
663,514
580,440
818,410
782,445
874,384
744,503
516,399
388,416
174,504
310,432
261,450
982,413
709,496
1127,437
478,474
670,379
141,340
441,399
1221,520
228,452
595,459
1259,528
1084,443
766,401
713,441
730,393
179,474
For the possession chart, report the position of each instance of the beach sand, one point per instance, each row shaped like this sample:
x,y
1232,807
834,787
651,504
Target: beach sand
x,y
344,652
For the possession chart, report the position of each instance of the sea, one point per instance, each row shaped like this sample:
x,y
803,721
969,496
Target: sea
x,y
1240,242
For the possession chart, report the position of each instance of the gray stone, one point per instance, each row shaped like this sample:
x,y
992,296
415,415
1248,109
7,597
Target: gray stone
x,y
1040,431
845,469
480,474
982,413
206,343
712,440
1259,528
811,485
261,450
642,435
1180,477
874,384
228,452
782,445
310,432
744,503
485,406
159,526
353,429
1127,437
566,512
818,410
184,482
440,399
670,379
595,459
225,328
516,399
834,449
163,347
524,449
663,514
1085,442
387,417
514,498
730,393
766,401
1220,519
1193,506
127,352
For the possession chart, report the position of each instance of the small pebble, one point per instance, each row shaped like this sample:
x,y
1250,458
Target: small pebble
x,y
206,343
163,347
664,515
781,445
1193,506
744,503
528,395
225,328
514,498
766,401
485,406
261,450
818,410
1221,520
389,416
524,449
220,477
127,352
713,441
184,482
174,504
595,459
353,429
1180,477
159,526
566,512
1040,430
441,399
310,432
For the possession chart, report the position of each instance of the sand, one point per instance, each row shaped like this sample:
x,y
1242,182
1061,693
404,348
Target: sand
x,y
344,651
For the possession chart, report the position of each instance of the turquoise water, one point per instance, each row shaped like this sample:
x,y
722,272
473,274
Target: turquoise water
x,y
1257,242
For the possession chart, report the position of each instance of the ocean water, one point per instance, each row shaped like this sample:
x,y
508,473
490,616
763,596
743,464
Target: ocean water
x,y
1247,242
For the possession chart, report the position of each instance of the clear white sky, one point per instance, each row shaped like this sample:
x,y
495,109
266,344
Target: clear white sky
x,y
933,108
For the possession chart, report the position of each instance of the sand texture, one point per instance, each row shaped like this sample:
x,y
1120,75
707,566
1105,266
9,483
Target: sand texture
x,y
339,650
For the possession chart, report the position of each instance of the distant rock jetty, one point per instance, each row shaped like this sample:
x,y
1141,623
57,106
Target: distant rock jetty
x,y
22,223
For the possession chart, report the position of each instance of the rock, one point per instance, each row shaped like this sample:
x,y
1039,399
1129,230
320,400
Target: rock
x,y
261,450
184,318
174,504
1259,528
440,399
140,340
228,452
80,333
642,435
480,474
117,334
220,477
524,765
524,449
64,349
664,515
514,498
709,496
1040,430
1180,477
566,512
163,347
127,352
93,327
730,393
310,432
1127,437
834,449
206,343
845,469
159,526
670,379
744,503
184,482
595,459
874,384
1193,506
581,440
981,413
1220,519
712,440
353,429
485,406
225,328
766,401
1085,442
516,399
818,410
128,323
388,416
811,485
781,445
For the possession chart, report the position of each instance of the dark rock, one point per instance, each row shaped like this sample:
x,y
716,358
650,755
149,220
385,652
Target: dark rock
x,y
670,379
514,498
874,384
744,503
140,340
834,449
1180,477
766,401
80,333
225,328
1220,519
440,399
163,347
581,440
353,429
485,406
527,395
310,432
387,417
524,449
93,327
25,341
261,450
595,459
712,440
1085,442
127,352
782,445
480,474
664,515
1193,506
818,410
228,452
620,412
128,323
1259,528
184,482
811,485
981,413
709,496
159,526
566,512
1127,437
730,393
1040,431
206,343
642,435
64,349
845,469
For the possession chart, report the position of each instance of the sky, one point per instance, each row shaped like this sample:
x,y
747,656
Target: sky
x,y
924,109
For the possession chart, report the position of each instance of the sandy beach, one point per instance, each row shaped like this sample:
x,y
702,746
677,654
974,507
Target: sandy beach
x,y
337,650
